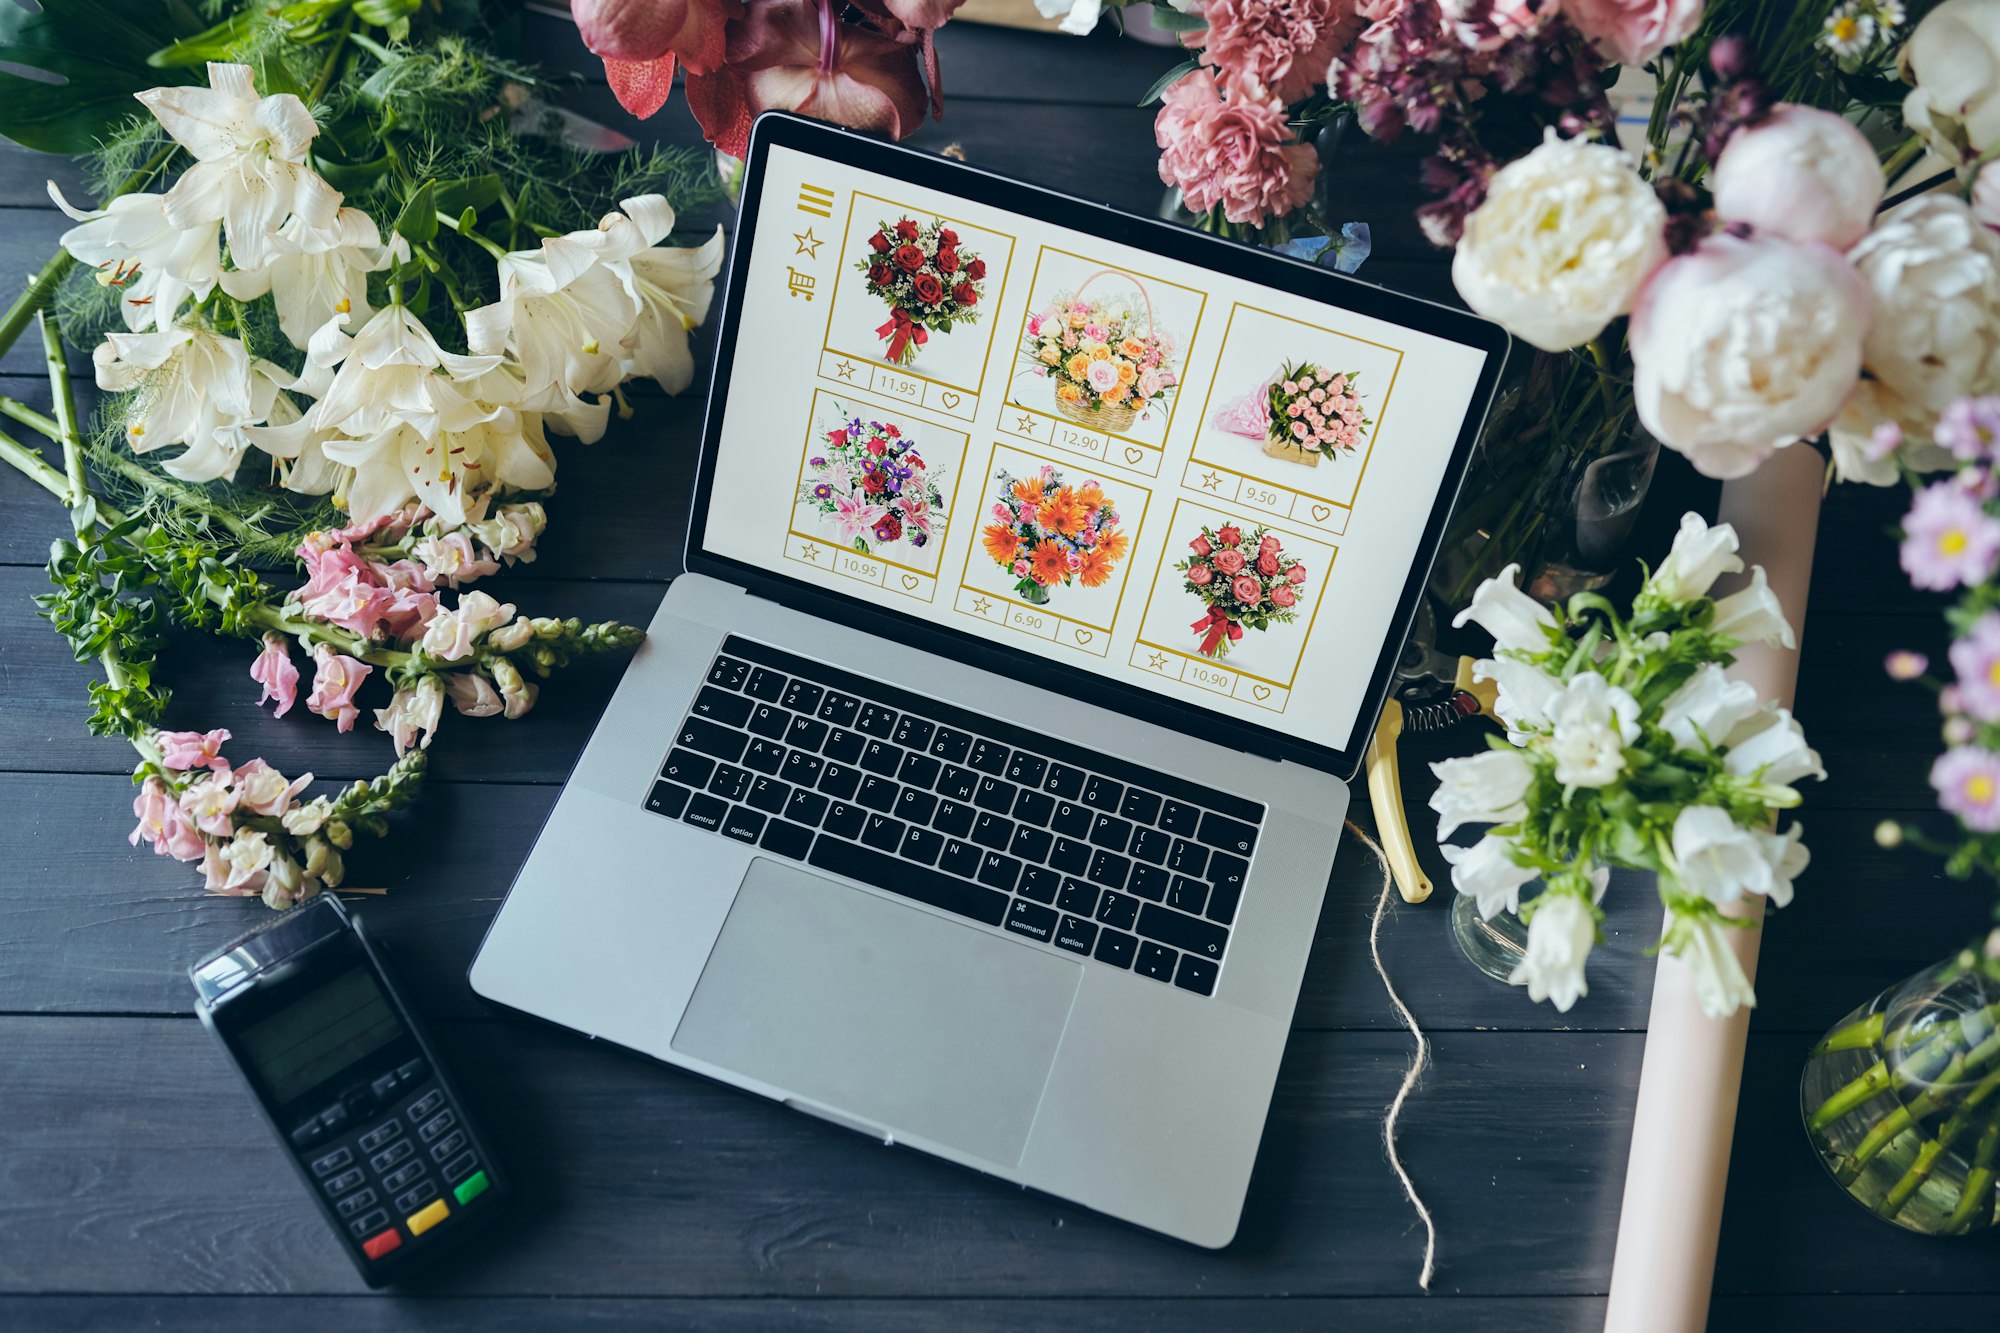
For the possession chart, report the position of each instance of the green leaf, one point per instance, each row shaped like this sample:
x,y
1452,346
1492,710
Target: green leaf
x,y
89,58
1175,21
418,223
1168,80
353,177
221,42
387,13
468,194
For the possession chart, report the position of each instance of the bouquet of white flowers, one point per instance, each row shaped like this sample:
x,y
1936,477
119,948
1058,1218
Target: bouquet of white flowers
x,y
1628,745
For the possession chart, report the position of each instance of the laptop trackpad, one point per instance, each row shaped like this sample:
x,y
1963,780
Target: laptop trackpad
x,y
904,1020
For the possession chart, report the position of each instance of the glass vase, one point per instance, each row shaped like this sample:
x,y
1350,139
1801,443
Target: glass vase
x,y
1901,1099
1495,947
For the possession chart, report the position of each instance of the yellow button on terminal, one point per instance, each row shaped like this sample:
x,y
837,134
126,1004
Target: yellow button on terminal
x,y
423,1220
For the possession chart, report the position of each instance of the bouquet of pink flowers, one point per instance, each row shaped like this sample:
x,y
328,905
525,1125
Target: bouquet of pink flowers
x,y
871,480
1302,414
1245,580
929,283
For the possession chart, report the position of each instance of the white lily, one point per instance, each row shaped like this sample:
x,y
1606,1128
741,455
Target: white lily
x,y
193,387
1487,870
1699,557
1515,620
155,265
1485,788
250,172
1707,708
674,286
1560,936
313,276
1753,615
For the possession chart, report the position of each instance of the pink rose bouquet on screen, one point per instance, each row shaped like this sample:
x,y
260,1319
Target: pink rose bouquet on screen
x,y
1245,579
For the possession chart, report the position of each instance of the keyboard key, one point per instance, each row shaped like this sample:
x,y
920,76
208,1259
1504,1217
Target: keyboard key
x,y
1231,835
806,734
743,824
914,882
728,672
988,758
919,770
953,819
843,745
786,839
1070,856
995,794
1102,793
765,684
380,1135
1141,807
1037,923
915,806
839,781
705,737
992,831
802,769
1026,769
1149,844
730,782
877,794
1078,897
769,795
1222,900
685,766
768,721
957,784
912,733
424,1105
429,1217
1155,961
668,798
1111,832
806,807
1115,947
1196,974
1187,933
457,1169
1034,807
382,1242
731,710
1076,935
1039,883
844,820
1227,872
877,721
921,845
1148,881
802,696
1031,844
1118,910
959,858
1180,818
1187,895
882,758
1064,782
838,710
951,746
999,872
1187,858
706,812
1108,869
883,833
1072,819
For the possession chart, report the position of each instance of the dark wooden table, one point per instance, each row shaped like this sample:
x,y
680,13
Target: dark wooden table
x,y
138,1190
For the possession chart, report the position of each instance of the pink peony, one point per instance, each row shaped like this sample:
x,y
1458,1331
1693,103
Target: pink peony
x,y
1200,575
1285,45
273,670
1248,590
1632,32
1236,152
334,684
191,749
1201,546
1800,173
1282,595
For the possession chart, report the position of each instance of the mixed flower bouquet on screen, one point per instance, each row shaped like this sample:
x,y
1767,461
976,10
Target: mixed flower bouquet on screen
x,y
1627,745
1107,365
344,280
1046,533
873,482
929,282
1246,580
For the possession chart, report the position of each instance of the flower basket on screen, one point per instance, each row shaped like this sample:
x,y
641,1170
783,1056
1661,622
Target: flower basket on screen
x,y
1107,366
930,283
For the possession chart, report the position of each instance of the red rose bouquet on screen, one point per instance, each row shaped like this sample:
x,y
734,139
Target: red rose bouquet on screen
x,y
871,480
929,281
1047,533
1245,580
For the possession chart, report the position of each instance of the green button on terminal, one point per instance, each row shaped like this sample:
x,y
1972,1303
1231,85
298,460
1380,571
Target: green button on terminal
x,y
471,1187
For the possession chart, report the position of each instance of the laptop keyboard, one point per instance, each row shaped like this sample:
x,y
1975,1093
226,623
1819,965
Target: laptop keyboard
x,y
1083,852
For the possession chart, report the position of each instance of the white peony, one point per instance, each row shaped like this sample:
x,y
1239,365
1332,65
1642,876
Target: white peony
x,y
1562,243
1484,788
1719,983
1707,708
1516,621
1561,934
1753,615
1800,173
1488,872
1745,346
1699,556
1594,722
193,387
155,265
1953,59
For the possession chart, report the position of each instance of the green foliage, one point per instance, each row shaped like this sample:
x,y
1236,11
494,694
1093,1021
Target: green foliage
x,y
93,55
90,607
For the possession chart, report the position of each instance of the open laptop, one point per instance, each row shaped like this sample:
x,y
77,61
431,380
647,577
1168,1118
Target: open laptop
x,y
947,800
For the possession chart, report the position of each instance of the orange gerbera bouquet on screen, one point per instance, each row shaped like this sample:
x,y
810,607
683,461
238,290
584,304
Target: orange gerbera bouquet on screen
x,y
1047,533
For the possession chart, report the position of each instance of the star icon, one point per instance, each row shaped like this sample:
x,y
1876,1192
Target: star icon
x,y
980,606
1024,425
845,369
1158,662
809,244
1210,481
811,552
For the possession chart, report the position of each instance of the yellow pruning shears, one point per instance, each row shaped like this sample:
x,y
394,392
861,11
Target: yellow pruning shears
x,y
1385,781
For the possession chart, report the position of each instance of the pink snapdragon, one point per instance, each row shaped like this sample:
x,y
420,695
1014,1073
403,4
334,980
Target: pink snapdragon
x,y
163,823
263,790
1229,145
273,670
453,558
191,749
472,694
335,681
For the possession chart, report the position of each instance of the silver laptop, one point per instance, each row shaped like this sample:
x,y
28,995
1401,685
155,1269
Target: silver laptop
x,y
977,787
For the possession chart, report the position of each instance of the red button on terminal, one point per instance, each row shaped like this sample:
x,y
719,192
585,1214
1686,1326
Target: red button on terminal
x,y
378,1245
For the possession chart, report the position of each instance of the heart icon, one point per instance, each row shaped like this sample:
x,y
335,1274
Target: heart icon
x,y
910,581
1262,692
1321,513
1084,636
950,398
1133,454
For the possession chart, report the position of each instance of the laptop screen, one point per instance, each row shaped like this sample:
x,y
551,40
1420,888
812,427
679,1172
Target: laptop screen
x,y
1151,470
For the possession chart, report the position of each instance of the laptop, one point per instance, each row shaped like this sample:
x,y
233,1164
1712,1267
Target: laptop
x,y
977,787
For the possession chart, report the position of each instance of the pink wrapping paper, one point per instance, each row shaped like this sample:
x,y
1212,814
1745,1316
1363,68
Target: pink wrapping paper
x,y
1686,1117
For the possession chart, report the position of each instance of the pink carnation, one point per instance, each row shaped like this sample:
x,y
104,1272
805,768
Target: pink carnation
x,y
1236,152
1284,45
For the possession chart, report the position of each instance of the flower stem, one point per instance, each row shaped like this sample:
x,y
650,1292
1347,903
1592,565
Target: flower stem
x,y
1909,1113
65,403
1934,1149
36,469
29,417
1854,1037
42,286
1929,1055
1978,1188
446,220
